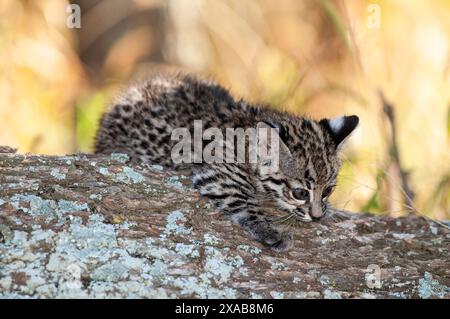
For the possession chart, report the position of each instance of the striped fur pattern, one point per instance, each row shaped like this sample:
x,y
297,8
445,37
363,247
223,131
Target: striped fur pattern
x,y
141,122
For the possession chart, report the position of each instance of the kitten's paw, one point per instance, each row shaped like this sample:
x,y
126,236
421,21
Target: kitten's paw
x,y
284,244
275,240
264,233
270,237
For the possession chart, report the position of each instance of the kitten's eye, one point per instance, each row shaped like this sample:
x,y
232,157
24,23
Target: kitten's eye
x,y
300,194
327,191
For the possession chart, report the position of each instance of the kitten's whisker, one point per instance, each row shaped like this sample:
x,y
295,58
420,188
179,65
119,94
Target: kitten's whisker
x,y
283,219
279,218
331,217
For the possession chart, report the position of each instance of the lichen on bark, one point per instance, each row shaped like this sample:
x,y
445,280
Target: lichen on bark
x,y
84,226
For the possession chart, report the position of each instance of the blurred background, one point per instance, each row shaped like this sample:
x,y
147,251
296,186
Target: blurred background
x,y
317,57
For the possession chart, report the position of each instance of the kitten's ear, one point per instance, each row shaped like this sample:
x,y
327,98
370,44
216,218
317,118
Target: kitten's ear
x,y
340,127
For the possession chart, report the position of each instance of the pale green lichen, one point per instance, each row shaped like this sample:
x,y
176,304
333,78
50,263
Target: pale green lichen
x,y
158,167
347,225
66,206
159,253
42,235
433,230
96,196
110,272
6,233
367,295
429,287
278,266
125,225
313,273
220,266
249,249
103,171
255,295
120,157
23,186
37,205
209,239
403,236
158,270
220,269
201,287
129,176
57,174
277,295
331,294
400,295
90,249
95,243
187,250
49,209
110,266
324,280
175,224
174,181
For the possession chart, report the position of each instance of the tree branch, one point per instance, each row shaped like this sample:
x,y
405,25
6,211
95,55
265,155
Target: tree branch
x,y
88,226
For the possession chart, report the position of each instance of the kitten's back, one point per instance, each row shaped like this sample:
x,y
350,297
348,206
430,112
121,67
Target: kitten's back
x,y
142,119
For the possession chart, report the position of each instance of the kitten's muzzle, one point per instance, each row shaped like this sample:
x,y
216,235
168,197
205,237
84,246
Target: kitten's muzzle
x,y
303,217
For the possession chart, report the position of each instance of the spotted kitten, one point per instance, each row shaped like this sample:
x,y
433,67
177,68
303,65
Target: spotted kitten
x,y
142,120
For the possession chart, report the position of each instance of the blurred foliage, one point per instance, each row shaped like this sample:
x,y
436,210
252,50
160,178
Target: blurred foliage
x,y
320,58
88,112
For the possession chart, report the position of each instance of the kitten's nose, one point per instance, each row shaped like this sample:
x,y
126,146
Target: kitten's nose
x,y
315,213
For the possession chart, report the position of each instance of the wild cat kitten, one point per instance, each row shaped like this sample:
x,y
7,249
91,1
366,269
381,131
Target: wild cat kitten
x,y
141,124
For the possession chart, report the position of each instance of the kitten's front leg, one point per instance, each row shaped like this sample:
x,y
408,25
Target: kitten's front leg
x,y
233,193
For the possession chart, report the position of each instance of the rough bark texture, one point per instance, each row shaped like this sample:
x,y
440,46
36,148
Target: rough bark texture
x,y
86,226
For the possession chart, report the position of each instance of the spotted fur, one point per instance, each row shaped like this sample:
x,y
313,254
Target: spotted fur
x,y
141,122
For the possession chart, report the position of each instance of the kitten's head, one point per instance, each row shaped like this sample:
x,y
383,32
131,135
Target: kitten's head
x,y
308,164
